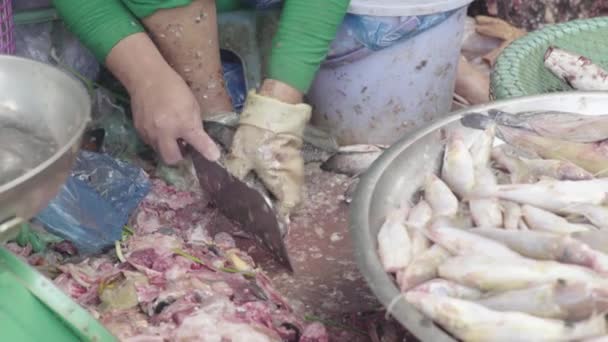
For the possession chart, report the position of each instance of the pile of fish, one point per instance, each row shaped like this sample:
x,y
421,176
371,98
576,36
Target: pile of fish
x,y
509,241
169,280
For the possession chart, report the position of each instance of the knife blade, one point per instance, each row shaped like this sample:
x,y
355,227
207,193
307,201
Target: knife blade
x,y
238,201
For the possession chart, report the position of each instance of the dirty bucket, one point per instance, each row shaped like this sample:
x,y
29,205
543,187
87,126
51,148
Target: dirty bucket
x,y
390,69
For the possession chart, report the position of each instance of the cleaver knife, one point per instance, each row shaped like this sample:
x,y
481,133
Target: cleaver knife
x,y
244,204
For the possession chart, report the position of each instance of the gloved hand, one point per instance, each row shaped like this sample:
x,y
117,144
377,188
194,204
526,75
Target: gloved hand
x,y
268,141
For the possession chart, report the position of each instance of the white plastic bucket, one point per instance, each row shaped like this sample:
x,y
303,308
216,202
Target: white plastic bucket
x,y
376,97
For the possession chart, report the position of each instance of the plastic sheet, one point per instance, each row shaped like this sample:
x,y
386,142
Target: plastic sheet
x,y
96,202
235,83
41,41
120,139
376,33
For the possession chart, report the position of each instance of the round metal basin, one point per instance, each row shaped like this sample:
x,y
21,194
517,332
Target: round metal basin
x,y
399,173
45,99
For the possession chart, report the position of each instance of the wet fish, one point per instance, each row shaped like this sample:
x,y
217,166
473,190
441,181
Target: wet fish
x,y
486,212
465,242
353,160
549,246
394,244
576,70
592,157
419,217
422,268
447,288
539,219
481,149
596,214
560,299
442,200
458,169
494,274
511,214
559,125
551,195
523,170
596,239
472,322
522,225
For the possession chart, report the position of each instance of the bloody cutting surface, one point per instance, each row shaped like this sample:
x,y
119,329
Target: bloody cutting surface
x,y
182,275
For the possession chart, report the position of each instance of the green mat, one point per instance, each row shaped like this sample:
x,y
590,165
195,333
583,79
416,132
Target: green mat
x,y
519,71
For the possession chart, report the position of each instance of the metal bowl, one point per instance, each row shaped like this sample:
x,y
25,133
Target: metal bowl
x,y
43,97
399,173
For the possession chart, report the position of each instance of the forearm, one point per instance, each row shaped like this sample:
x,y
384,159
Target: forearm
x,y
306,30
99,24
188,39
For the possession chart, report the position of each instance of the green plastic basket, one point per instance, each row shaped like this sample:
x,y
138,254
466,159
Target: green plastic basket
x,y
520,70
33,309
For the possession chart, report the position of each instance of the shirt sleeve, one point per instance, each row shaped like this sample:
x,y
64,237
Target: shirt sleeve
x,y
99,24
145,8
306,30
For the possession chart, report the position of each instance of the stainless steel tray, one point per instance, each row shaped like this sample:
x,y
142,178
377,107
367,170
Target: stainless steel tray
x,y
400,172
44,97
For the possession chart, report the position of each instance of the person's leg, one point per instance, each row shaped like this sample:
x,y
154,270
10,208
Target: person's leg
x,y
188,39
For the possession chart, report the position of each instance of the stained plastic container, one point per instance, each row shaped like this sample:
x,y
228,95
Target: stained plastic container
x,y
361,95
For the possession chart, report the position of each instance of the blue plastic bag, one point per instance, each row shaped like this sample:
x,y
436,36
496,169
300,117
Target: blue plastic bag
x,y
93,206
235,83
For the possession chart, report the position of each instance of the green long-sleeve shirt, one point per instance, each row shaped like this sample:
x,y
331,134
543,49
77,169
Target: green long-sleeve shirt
x,y
305,32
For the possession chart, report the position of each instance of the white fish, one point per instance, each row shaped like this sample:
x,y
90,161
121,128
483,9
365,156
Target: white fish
x,y
596,214
549,246
457,170
523,225
538,219
481,148
419,217
422,268
552,195
511,214
596,239
439,196
576,70
485,211
524,170
494,274
471,322
562,300
465,242
448,288
394,244
603,338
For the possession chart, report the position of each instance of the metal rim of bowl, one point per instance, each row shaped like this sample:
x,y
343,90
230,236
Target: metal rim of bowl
x,y
78,132
365,244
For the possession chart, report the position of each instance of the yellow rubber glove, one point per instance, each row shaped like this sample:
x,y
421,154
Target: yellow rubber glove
x,y
268,142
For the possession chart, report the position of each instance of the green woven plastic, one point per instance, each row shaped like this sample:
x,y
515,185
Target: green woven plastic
x,y
520,70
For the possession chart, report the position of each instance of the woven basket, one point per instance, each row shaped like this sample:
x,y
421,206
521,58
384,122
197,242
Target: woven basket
x,y
7,42
520,70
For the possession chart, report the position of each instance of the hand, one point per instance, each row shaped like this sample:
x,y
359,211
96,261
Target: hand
x,y
164,110
268,141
